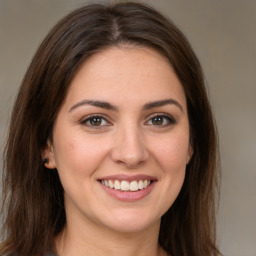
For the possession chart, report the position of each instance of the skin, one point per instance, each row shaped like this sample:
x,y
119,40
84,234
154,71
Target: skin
x,y
128,141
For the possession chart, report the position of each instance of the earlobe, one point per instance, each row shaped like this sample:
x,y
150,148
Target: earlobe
x,y
48,157
45,161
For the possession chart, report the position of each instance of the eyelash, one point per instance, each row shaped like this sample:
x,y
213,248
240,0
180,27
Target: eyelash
x,y
90,119
167,119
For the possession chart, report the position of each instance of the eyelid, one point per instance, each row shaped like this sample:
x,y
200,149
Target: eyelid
x,y
88,117
169,117
170,120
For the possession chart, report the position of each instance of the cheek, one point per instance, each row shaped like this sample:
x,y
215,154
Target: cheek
x,y
172,151
77,158
170,157
78,154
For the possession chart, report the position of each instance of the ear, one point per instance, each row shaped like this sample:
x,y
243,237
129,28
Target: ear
x,y
189,153
48,153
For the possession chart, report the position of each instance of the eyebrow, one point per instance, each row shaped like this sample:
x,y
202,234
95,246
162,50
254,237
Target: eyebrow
x,y
109,106
161,103
95,103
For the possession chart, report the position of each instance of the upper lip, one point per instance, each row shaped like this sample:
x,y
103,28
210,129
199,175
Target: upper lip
x,y
128,177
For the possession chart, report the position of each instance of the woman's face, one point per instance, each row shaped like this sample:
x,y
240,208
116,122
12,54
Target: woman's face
x,y
121,140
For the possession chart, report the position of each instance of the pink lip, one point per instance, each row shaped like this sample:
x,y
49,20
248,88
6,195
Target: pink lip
x,y
128,196
128,177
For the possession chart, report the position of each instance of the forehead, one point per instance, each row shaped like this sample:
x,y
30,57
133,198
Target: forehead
x,y
135,73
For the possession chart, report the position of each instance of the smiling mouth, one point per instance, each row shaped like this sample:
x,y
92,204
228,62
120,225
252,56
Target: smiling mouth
x,y
125,185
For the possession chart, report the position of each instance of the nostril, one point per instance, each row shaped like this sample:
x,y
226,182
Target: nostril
x,y
130,161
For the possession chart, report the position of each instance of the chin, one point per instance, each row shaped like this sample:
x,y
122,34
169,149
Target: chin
x,y
132,221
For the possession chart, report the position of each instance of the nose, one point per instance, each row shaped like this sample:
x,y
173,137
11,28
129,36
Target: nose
x,y
129,147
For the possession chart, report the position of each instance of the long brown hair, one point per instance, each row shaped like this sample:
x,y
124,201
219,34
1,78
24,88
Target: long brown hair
x,y
33,203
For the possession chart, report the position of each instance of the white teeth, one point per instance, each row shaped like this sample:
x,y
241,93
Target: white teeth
x,y
145,183
140,184
117,184
134,186
126,185
110,184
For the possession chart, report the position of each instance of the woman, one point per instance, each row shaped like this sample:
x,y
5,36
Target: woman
x,y
112,144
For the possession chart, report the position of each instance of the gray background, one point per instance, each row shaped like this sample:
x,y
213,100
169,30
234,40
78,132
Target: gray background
x,y
223,34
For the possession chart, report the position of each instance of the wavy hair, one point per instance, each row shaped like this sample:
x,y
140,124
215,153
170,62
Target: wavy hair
x,y
33,204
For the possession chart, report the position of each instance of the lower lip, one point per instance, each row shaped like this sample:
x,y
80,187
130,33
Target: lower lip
x,y
129,196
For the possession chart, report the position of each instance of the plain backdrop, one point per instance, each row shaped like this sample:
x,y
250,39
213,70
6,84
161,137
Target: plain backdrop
x,y
223,34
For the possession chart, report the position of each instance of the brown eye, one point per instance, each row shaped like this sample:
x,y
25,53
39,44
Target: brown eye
x,y
157,120
95,121
161,120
